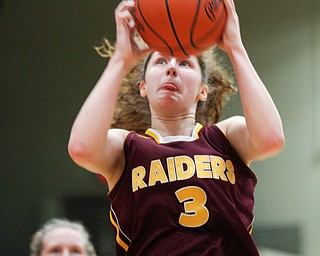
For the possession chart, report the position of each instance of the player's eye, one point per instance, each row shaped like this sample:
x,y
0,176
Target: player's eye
x,y
185,63
161,61
76,251
55,251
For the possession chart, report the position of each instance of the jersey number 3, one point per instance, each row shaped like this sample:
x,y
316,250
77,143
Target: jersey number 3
x,y
195,212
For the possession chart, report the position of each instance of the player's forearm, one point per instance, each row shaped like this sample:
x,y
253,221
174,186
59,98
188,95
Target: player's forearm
x,y
94,119
262,117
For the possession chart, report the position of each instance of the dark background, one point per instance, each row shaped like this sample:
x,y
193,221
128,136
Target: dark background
x,y
48,67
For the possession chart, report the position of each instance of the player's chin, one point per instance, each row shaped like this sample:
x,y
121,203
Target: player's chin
x,y
169,97
169,101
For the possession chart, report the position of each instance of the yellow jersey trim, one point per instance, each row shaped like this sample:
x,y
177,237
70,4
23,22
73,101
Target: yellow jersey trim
x,y
118,239
250,228
162,140
196,130
153,134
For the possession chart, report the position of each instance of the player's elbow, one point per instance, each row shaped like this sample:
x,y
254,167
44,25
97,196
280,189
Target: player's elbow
x,y
273,144
79,152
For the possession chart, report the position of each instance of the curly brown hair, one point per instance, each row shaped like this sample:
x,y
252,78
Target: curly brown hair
x,y
132,111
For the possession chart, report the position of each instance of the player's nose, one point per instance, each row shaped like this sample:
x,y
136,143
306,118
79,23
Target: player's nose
x,y
172,68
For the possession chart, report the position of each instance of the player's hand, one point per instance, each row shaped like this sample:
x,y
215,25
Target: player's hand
x,y
231,36
126,47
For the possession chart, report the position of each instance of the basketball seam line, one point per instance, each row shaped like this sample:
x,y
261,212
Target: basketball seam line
x,y
152,30
173,28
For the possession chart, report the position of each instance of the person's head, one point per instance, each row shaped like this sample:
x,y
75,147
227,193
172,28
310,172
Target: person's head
x,y
133,112
61,237
177,80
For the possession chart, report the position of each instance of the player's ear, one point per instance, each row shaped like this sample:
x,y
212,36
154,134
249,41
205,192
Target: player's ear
x,y
143,91
203,93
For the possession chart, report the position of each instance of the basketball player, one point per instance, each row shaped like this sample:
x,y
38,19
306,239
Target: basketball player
x,y
181,188
61,237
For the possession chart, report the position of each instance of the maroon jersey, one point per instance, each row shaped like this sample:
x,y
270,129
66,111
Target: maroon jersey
x,y
183,195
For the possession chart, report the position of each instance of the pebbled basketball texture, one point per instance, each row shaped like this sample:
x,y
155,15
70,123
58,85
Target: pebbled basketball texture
x,y
180,27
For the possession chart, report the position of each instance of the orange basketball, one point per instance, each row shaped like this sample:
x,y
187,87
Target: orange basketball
x,y
180,27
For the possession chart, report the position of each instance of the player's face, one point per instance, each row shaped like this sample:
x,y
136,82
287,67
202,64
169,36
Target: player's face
x,y
170,80
63,242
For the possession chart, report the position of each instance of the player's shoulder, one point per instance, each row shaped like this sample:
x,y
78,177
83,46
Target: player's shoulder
x,y
230,123
118,133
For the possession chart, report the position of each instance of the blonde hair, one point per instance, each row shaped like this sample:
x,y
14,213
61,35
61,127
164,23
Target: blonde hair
x,y
37,239
132,111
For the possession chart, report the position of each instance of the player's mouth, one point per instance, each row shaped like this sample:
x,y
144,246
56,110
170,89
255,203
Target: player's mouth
x,y
169,87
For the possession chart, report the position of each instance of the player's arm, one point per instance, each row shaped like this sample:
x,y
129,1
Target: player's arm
x,y
93,145
259,134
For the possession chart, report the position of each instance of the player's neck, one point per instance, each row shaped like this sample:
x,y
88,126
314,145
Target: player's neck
x,y
173,126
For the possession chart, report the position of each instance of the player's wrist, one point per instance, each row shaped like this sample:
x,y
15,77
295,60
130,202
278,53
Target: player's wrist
x,y
121,61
